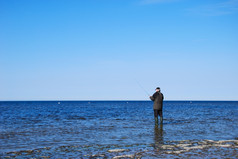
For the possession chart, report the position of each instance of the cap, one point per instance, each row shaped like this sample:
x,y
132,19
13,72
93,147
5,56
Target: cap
x,y
157,88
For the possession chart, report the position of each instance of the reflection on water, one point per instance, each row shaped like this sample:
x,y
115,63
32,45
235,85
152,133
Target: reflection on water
x,y
158,135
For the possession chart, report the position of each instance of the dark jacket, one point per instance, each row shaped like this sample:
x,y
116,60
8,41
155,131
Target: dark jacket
x,y
158,98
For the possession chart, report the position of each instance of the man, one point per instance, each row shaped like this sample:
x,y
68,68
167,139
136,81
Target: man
x,y
158,98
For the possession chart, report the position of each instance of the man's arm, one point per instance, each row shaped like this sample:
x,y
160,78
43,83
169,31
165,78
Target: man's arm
x,y
152,97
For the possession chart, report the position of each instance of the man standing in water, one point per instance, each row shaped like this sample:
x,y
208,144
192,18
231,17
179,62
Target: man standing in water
x,y
158,98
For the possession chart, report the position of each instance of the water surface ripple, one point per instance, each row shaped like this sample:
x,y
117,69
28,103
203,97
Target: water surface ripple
x,y
36,125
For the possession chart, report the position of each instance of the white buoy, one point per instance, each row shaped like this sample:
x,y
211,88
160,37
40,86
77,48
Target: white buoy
x,y
58,102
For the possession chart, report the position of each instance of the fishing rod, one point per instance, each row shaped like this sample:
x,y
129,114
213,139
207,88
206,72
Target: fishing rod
x,y
142,87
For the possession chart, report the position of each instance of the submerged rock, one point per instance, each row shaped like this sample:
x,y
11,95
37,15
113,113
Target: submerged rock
x,y
167,147
183,145
124,156
225,145
98,155
118,150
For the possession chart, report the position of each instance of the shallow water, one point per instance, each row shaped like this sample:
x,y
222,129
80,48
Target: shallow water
x,y
96,124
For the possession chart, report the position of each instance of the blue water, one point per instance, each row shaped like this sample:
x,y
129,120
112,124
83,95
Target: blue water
x,y
30,125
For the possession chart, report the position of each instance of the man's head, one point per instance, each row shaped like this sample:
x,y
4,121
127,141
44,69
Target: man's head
x,y
157,89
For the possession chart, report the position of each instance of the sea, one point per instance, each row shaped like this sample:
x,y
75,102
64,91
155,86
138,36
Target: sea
x,y
118,129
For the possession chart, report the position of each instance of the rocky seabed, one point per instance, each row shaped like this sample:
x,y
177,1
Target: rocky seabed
x,y
172,149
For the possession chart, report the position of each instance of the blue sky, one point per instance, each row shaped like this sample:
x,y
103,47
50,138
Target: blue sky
x,y
97,49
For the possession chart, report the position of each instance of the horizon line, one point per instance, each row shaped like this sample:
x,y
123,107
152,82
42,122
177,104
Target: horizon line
x,y
114,100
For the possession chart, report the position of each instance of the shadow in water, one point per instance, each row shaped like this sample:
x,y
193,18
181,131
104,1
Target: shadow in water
x,y
158,135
